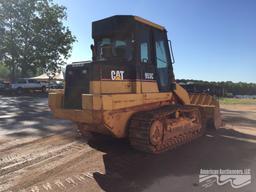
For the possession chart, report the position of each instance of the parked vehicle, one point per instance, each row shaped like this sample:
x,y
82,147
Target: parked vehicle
x,y
4,85
22,85
56,85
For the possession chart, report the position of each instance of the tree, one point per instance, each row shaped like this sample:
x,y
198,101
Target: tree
x,y
33,36
4,72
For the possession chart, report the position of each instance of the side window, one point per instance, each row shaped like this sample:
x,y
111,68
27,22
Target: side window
x,y
21,81
144,46
31,81
144,52
161,58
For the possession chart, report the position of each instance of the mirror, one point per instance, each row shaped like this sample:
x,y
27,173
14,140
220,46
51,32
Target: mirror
x,y
93,51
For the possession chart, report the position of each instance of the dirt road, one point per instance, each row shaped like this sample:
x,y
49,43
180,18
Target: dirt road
x,y
39,153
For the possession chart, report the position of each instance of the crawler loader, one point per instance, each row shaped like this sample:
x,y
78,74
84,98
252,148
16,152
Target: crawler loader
x,y
128,90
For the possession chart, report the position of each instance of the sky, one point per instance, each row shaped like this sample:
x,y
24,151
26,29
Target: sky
x,y
213,40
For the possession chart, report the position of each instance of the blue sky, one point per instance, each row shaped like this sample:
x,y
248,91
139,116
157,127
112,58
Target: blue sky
x,y
213,40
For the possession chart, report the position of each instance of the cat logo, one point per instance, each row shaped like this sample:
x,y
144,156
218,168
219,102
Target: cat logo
x,y
117,75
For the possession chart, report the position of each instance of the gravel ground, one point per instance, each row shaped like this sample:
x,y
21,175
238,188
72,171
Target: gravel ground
x,y
40,153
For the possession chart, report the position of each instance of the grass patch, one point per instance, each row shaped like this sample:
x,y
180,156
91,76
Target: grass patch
x,y
237,101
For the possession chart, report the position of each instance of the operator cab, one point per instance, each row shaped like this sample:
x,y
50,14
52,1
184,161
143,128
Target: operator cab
x,y
137,42
126,50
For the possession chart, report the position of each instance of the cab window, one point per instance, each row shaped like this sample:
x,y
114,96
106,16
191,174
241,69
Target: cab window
x,y
144,47
144,52
33,81
161,58
162,61
21,81
114,48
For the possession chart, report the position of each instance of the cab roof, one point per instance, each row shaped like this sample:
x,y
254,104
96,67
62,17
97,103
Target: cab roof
x,y
120,23
147,22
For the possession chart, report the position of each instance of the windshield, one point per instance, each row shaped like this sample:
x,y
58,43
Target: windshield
x,y
110,48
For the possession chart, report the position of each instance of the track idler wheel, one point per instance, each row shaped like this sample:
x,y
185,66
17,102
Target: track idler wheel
x,y
156,132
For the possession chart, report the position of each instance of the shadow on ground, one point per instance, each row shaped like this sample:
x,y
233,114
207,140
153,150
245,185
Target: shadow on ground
x,y
239,117
28,115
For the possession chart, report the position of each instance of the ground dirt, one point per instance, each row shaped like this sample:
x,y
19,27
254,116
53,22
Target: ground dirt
x,y
40,153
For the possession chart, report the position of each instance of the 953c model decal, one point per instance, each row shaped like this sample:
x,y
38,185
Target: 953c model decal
x,y
149,76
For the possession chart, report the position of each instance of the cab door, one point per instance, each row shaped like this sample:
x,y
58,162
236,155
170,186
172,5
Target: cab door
x,y
146,64
162,60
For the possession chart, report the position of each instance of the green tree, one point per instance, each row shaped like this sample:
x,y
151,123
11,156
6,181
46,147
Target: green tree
x,y
33,37
4,71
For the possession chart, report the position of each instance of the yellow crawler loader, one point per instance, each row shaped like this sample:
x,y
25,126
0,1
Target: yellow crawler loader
x,y
128,90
